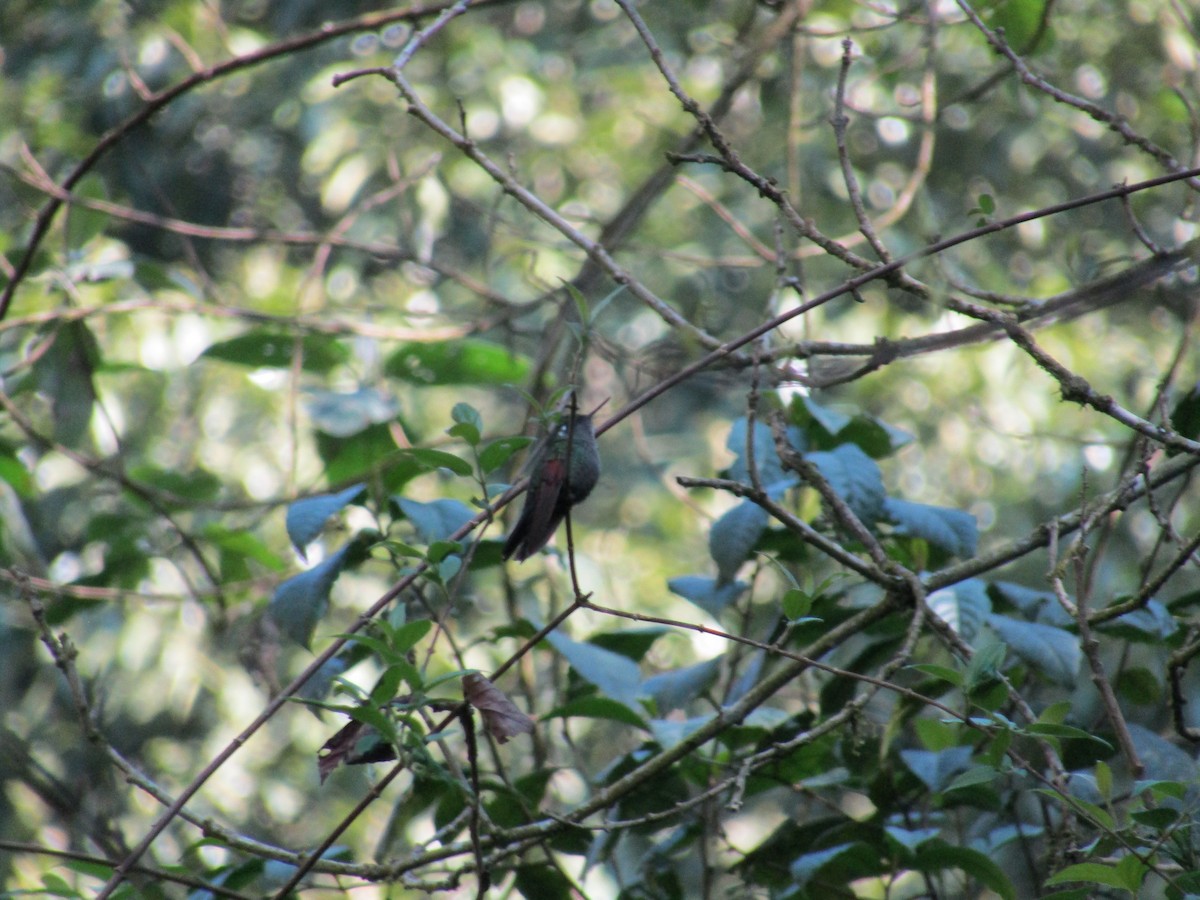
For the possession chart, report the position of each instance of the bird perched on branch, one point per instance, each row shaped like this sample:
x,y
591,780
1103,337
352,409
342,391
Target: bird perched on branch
x,y
564,470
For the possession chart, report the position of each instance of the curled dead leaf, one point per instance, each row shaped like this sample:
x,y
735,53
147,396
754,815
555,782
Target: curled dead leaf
x,y
501,717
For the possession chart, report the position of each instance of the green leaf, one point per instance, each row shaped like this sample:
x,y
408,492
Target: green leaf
x,y
467,361
1092,873
195,484
429,459
409,635
264,348
1185,417
63,374
951,676
580,301
984,668
84,224
1020,20
796,604
1070,732
937,856
354,457
632,643
57,886
500,451
545,882
596,707
468,425
244,544
14,472
306,518
973,776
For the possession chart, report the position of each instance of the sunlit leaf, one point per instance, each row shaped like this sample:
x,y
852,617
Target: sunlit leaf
x,y
262,348
465,361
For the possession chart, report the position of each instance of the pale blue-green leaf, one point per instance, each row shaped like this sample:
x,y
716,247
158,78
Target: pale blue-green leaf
x,y
343,414
437,519
307,517
829,419
1053,652
910,838
616,675
952,530
937,768
805,866
669,732
1041,606
963,607
733,536
448,568
703,591
771,476
1082,786
1163,760
855,477
317,687
1152,623
675,689
748,677
301,601
767,718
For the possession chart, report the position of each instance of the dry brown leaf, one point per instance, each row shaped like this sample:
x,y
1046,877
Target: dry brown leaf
x,y
501,717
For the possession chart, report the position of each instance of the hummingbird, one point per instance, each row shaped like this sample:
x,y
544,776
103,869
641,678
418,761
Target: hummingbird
x,y
555,485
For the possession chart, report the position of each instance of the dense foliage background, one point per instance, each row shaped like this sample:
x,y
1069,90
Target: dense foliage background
x,y
889,586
